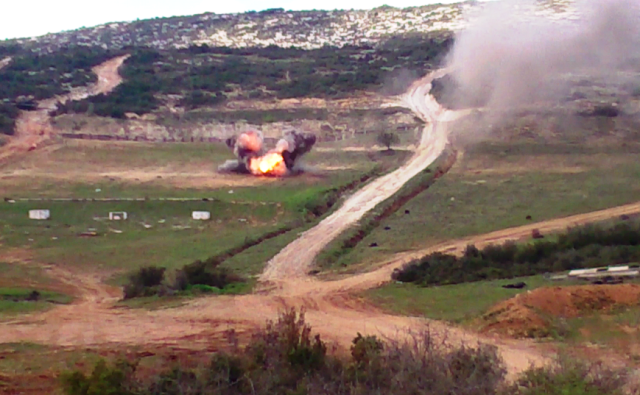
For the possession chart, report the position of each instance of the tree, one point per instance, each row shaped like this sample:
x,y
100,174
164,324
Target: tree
x,y
388,139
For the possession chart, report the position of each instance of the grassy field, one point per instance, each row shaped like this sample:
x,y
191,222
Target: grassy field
x,y
162,233
12,301
83,169
155,233
17,281
459,303
497,185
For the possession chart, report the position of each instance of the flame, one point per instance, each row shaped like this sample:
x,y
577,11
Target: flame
x,y
270,164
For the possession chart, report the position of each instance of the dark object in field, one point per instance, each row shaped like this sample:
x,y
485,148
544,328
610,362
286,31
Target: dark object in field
x,y
407,212
536,234
88,234
373,244
314,272
387,228
624,217
608,280
27,105
519,285
528,218
34,296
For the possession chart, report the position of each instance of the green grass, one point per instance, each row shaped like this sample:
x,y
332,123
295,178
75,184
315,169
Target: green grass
x,y
495,186
167,243
459,303
26,276
12,301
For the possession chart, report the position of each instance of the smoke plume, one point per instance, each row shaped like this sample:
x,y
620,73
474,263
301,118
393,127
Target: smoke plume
x,y
502,62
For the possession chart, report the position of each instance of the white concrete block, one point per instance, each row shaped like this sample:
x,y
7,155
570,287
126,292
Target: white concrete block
x,y
201,215
39,214
117,215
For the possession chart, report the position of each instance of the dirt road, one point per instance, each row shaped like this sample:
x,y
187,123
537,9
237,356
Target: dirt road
x,y
296,259
33,128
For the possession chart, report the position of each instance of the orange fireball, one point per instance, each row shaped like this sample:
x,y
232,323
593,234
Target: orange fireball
x,y
270,164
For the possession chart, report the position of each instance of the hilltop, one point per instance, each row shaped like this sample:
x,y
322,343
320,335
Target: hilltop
x,y
302,29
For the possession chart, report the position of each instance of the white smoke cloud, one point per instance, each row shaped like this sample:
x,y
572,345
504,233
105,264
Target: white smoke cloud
x,y
502,62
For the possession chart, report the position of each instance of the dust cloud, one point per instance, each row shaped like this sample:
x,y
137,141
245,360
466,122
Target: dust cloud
x,y
503,60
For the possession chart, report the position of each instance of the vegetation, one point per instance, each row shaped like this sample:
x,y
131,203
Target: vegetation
x,y
22,300
285,358
580,247
206,76
471,300
203,276
570,376
37,77
387,139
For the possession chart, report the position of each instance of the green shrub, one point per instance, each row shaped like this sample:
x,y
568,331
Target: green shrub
x,y
104,380
144,282
205,273
570,377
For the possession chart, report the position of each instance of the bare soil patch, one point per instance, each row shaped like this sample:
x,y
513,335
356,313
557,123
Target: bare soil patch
x,y
530,314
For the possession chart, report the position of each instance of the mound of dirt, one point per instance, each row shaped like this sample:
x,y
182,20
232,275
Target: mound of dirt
x,y
531,314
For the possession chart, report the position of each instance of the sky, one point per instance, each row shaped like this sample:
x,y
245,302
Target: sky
x,y
37,17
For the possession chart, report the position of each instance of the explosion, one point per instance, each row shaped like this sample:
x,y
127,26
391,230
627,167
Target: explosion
x,y
248,147
270,164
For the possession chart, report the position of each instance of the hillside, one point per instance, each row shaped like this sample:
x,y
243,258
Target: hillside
x,y
302,29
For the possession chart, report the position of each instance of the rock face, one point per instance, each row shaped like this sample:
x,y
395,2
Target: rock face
x,y
302,29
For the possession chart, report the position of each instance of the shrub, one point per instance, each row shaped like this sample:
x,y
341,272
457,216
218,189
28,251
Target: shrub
x,y
286,358
104,380
206,273
287,342
582,247
569,376
144,282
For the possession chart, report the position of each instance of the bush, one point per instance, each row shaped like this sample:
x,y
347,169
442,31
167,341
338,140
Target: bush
x,y
569,376
287,358
104,380
581,247
206,273
144,282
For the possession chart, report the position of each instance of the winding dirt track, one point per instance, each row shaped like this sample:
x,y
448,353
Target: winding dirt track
x,y
295,259
33,128
332,309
